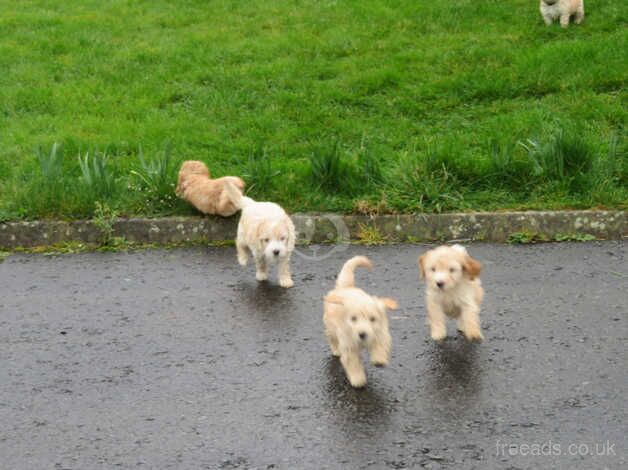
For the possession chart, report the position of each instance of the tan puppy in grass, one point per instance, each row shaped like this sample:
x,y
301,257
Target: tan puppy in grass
x,y
562,9
355,320
267,233
453,290
207,195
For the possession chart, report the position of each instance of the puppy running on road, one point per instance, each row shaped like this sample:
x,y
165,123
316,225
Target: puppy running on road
x,y
355,320
267,233
453,290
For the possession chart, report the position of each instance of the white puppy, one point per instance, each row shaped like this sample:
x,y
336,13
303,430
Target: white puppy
x,y
355,321
453,289
266,232
562,9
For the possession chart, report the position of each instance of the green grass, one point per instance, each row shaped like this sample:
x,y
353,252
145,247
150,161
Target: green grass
x,y
398,105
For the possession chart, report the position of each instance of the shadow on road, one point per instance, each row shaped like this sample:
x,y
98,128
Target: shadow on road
x,y
455,369
368,405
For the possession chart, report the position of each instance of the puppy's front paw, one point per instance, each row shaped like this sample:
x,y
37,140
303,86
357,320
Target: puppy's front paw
x,y
243,260
379,359
379,362
358,380
286,282
334,350
439,334
261,276
474,335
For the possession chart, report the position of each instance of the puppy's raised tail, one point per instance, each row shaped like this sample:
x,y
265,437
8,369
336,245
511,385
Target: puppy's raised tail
x,y
238,199
346,277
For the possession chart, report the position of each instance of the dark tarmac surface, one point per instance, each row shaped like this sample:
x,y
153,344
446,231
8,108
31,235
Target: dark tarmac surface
x,y
180,359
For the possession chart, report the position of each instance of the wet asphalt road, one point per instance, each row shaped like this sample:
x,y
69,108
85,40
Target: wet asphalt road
x,y
180,359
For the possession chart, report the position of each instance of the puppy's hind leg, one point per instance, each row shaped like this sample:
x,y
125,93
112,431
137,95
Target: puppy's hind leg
x,y
564,20
353,368
226,208
285,278
579,14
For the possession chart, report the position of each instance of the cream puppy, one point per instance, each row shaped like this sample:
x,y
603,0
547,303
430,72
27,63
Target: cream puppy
x,y
207,195
562,9
266,232
354,321
453,290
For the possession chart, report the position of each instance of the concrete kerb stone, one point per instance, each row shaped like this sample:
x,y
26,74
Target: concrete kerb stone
x,y
322,228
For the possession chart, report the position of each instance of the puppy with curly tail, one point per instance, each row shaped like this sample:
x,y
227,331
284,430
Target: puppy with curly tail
x,y
453,289
355,321
266,233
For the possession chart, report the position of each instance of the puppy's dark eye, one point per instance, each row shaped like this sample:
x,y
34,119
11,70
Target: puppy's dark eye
x,y
451,270
372,319
283,239
354,318
266,240
433,270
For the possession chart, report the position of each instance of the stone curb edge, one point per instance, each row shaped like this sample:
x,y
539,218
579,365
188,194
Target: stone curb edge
x,y
322,227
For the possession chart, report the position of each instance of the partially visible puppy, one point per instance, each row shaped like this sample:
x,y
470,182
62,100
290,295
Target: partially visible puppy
x,y
355,320
188,168
562,9
267,233
208,195
453,289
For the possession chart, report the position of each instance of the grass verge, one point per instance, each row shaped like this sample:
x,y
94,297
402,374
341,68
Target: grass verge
x,y
366,106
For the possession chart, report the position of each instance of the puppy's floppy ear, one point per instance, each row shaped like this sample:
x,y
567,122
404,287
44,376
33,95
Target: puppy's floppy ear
x,y
260,229
421,262
390,304
471,266
292,236
182,184
334,299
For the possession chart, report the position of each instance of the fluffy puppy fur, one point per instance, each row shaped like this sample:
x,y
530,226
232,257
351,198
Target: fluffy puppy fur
x,y
453,289
562,9
355,321
266,232
208,195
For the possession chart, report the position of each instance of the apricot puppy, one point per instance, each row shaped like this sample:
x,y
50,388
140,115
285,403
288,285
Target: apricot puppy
x,y
453,289
354,321
563,10
208,195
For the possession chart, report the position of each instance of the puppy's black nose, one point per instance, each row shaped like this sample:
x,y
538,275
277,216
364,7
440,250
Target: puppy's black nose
x,y
362,336
440,284
276,252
